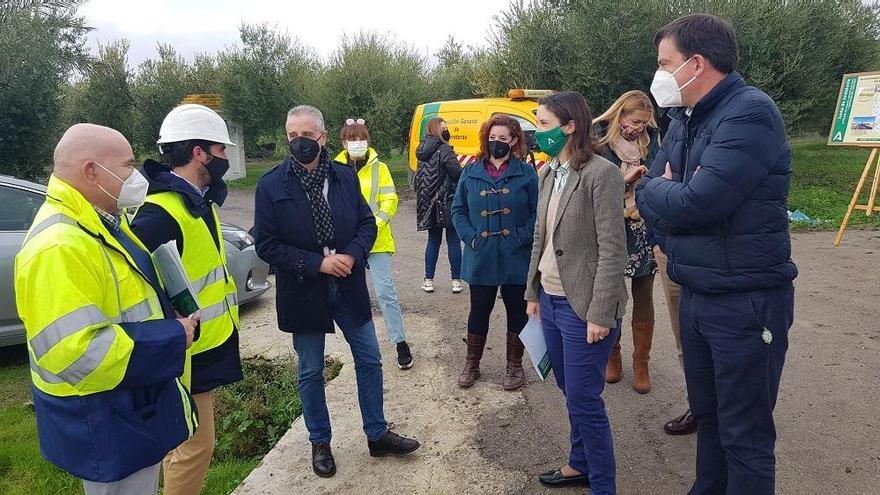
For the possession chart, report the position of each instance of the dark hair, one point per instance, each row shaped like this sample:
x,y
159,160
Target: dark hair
x,y
180,153
519,150
706,35
433,128
570,106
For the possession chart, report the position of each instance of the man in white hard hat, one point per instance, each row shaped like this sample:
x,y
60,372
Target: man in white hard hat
x,y
181,206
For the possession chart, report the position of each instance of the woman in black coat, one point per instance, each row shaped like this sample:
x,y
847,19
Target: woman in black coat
x,y
435,182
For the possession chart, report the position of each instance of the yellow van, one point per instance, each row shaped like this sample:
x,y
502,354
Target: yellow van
x,y
464,118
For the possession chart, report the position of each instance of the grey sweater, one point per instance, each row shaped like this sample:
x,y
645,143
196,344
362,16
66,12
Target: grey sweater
x,y
589,240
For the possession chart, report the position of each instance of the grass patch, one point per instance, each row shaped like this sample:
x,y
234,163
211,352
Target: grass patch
x,y
255,170
823,181
398,164
251,416
23,471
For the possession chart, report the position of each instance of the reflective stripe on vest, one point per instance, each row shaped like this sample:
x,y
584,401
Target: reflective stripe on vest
x,y
206,268
81,319
374,188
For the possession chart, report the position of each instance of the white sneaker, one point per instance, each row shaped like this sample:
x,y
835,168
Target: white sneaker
x,y
457,286
428,285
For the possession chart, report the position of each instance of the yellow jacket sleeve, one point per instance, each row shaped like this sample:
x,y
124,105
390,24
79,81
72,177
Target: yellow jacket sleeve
x,y
386,198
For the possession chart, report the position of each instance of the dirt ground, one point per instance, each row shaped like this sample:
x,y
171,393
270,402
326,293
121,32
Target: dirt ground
x,y
484,440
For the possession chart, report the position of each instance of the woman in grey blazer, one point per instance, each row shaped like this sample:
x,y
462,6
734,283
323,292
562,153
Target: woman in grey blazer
x,y
576,282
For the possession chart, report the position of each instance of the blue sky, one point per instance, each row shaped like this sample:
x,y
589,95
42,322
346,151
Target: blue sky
x,y
209,26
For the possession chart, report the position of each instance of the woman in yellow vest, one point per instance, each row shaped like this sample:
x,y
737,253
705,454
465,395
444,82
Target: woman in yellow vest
x,y
377,186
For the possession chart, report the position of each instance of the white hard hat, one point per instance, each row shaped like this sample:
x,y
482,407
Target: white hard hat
x,y
192,121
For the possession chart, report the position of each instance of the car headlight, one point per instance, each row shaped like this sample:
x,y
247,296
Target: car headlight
x,y
238,238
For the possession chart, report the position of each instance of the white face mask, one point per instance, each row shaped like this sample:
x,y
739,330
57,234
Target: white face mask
x,y
357,149
134,189
665,88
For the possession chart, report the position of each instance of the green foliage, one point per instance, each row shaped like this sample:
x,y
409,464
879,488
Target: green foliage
x,y
225,476
158,87
451,78
254,413
262,79
373,78
794,50
41,44
108,80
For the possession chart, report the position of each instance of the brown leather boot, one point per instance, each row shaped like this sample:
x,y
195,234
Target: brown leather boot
x,y
515,376
471,372
643,334
614,369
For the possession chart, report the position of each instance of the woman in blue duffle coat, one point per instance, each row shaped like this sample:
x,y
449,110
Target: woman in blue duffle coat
x,y
494,214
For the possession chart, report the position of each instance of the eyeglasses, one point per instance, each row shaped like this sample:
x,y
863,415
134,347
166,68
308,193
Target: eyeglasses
x,y
355,121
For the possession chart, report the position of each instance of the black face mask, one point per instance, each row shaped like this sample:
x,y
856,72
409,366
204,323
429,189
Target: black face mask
x,y
445,135
304,149
217,190
499,149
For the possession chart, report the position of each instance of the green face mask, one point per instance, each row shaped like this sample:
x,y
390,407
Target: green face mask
x,y
551,142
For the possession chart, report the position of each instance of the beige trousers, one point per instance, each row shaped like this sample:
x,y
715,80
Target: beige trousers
x,y
672,291
186,466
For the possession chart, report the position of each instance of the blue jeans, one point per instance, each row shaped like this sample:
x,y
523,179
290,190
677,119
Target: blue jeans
x,y
361,338
432,251
733,376
386,293
579,369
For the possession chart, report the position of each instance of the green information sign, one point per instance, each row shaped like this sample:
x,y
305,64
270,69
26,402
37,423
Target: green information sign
x,y
857,116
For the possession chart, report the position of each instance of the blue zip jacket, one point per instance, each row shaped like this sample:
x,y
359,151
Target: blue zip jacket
x,y
723,218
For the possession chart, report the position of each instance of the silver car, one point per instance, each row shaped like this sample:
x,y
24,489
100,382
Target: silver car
x,y
20,201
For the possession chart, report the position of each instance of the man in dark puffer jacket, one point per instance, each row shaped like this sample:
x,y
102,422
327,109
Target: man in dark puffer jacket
x,y
716,201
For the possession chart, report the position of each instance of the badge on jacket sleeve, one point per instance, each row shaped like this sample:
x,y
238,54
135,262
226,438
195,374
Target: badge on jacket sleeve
x,y
767,336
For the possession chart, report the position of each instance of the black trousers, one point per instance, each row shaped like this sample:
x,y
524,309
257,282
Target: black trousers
x,y
483,301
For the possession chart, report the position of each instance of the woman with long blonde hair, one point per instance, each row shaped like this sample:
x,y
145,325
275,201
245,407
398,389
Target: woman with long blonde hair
x,y
627,136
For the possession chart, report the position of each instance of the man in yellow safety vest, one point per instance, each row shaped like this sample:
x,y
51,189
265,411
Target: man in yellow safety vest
x,y
181,207
106,352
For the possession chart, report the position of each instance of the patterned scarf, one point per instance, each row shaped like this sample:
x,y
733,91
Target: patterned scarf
x,y
630,157
313,184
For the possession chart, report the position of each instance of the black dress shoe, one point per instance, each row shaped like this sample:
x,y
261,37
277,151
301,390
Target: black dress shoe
x,y
682,425
392,444
555,478
322,460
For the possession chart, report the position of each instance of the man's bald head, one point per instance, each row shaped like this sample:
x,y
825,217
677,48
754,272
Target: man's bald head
x,y
80,151
89,142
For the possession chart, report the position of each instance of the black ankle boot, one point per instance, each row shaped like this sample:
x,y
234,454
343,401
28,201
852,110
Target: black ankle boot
x,y
392,444
322,460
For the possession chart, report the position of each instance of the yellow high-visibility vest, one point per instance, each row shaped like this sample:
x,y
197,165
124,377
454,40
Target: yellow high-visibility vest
x,y
205,266
74,284
377,187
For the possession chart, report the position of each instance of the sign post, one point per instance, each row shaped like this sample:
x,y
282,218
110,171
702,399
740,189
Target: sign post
x,y
857,123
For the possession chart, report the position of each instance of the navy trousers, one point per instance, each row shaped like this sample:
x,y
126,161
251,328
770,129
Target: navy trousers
x,y
734,349
579,369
